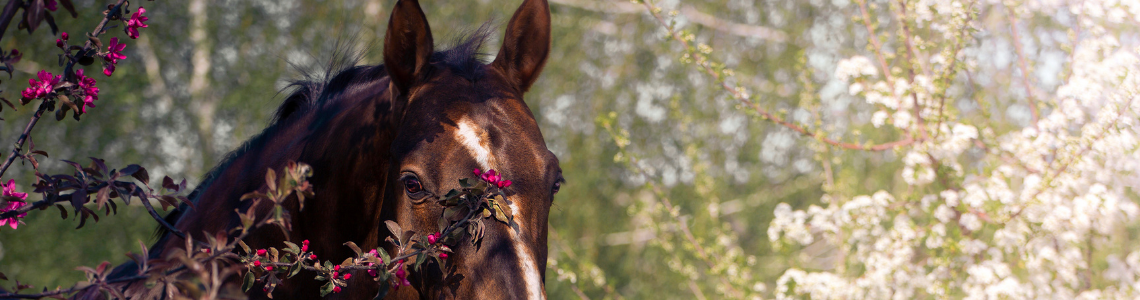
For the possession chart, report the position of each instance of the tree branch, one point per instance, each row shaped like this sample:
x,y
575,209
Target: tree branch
x,y
70,63
739,96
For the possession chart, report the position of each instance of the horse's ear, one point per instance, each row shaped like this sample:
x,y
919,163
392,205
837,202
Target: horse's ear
x,y
526,44
407,44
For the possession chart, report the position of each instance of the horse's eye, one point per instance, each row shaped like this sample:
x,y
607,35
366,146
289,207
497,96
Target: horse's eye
x,y
413,186
557,186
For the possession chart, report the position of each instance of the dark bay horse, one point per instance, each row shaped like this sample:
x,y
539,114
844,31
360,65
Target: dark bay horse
x,y
382,140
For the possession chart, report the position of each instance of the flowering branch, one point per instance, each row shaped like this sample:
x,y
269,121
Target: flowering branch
x,y
1024,66
88,47
741,94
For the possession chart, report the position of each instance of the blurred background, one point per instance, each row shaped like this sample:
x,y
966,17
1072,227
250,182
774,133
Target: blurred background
x,y
633,125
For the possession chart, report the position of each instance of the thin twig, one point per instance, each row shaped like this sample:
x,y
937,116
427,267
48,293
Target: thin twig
x,y
913,59
1076,157
738,95
1024,67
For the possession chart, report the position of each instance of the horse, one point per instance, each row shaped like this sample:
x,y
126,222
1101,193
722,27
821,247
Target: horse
x,y
383,139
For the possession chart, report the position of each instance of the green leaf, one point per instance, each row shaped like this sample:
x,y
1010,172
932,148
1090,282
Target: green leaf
x,y
271,180
452,194
292,248
384,255
393,227
465,182
327,288
245,247
354,247
293,270
420,258
248,282
383,290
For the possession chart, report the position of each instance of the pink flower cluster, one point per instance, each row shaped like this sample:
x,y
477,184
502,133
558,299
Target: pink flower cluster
x,y
13,204
60,42
492,177
114,54
42,87
89,90
375,254
435,237
401,275
137,21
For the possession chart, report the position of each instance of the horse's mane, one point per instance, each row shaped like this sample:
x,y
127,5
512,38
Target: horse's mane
x,y
314,89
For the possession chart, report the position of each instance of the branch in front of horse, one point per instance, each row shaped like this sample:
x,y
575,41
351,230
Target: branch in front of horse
x,y
90,46
220,249
89,180
699,55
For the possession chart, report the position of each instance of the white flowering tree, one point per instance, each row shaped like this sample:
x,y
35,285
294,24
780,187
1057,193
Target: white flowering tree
x,y
1008,131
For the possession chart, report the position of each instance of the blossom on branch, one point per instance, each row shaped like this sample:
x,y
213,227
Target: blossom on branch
x,y
42,87
15,200
137,21
90,91
114,54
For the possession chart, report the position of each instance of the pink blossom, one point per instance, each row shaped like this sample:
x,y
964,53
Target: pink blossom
x,y
313,257
137,21
13,204
504,184
336,289
108,69
42,87
261,252
114,51
347,276
443,255
269,268
90,91
64,35
477,172
257,263
491,176
432,238
50,5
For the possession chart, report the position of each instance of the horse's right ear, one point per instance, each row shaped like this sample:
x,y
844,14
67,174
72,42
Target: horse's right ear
x,y
407,44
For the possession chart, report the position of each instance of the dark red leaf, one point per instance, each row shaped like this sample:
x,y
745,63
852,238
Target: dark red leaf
x,y
78,198
51,22
98,164
33,15
69,7
168,183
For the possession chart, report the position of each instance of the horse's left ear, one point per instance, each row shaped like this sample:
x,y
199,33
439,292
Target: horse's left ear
x,y
526,44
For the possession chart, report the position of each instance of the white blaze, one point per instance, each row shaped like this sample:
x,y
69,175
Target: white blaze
x,y
471,137
468,135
